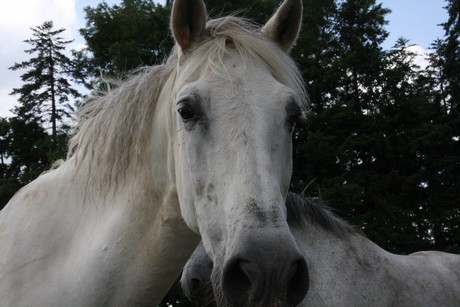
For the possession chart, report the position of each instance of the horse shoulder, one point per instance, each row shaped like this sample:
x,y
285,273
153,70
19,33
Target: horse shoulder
x,y
32,209
344,271
30,240
440,263
438,259
427,278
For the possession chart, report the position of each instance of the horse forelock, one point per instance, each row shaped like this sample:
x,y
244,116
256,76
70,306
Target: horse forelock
x,y
302,210
232,34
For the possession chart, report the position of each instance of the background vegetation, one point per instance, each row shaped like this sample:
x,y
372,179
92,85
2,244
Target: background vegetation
x,y
381,144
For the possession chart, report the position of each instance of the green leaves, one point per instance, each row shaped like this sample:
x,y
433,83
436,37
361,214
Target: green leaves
x,y
45,99
126,36
47,91
379,145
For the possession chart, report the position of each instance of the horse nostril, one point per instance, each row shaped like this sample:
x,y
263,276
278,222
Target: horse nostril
x,y
195,286
261,273
298,281
236,280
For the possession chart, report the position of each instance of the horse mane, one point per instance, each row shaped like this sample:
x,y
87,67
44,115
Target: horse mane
x,y
302,210
114,125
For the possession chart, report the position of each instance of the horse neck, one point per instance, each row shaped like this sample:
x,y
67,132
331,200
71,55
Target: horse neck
x,y
347,264
325,247
144,209
168,241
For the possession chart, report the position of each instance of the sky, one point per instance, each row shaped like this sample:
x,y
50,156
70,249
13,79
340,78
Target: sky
x,y
416,20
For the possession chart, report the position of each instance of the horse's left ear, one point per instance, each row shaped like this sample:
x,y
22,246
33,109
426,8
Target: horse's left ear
x,y
188,22
283,28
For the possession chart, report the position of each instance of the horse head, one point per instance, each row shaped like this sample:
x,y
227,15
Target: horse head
x,y
236,98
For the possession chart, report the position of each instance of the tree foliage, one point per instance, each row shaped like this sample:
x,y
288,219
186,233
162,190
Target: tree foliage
x,y
126,36
27,149
381,142
46,93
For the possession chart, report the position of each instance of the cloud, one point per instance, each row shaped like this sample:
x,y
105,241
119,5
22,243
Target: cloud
x,y
16,19
21,14
421,55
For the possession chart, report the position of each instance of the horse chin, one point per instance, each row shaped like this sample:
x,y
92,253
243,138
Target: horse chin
x,y
205,300
243,301
270,303
279,301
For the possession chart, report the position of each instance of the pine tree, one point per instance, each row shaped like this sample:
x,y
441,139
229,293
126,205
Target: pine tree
x,y
442,142
25,152
451,53
123,37
356,147
46,93
135,33
341,66
26,148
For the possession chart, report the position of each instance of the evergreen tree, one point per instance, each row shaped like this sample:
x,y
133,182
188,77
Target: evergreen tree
x,y
136,33
46,93
26,150
8,185
341,67
359,150
451,53
442,141
4,154
381,142
126,36
315,51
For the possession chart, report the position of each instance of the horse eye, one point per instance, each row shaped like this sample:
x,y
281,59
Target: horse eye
x,y
186,113
293,115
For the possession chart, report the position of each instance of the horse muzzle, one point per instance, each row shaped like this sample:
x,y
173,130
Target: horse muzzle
x,y
266,270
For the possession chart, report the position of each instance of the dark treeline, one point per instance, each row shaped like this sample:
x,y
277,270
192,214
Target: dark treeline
x,y
380,145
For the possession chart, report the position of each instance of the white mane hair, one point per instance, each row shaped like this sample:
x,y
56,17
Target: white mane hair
x,y
113,126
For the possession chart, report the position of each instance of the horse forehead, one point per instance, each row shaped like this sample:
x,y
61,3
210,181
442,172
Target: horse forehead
x,y
238,73
251,77
248,86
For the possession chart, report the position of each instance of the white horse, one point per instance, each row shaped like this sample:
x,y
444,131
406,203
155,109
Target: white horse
x,y
346,269
202,142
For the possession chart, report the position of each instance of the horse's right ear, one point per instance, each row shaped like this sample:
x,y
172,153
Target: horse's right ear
x,y
188,22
